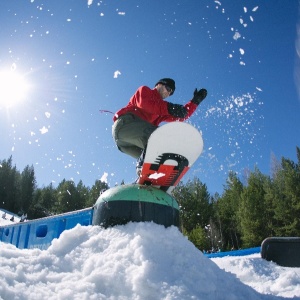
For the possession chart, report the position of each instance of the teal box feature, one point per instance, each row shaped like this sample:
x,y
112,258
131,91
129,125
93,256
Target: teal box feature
x,y
39,233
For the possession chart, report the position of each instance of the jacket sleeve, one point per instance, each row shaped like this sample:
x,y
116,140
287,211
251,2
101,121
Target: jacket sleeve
x,y
150,101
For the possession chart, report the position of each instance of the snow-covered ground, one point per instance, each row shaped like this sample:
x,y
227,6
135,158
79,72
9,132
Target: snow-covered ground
x,y
137,261
5,218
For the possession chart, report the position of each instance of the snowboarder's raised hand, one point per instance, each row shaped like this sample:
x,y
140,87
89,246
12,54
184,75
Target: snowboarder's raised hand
x,y
199,96
177,110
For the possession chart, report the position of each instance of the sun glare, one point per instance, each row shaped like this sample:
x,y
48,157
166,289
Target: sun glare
x,y
13,87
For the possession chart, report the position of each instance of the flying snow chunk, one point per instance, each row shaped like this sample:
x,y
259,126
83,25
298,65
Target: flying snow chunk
x,y
104,177
259,89
242,51
255,8
47,114
44,130
236,36
121,13
117,73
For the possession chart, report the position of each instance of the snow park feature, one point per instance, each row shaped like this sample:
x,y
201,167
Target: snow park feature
x,y
135,203
285,251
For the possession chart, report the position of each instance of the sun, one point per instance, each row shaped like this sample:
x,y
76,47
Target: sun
x,y
13,87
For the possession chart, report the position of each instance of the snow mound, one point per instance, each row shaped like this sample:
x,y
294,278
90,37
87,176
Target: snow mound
x,y
134,261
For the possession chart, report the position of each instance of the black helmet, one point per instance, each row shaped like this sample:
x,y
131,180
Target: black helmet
x,y
168,82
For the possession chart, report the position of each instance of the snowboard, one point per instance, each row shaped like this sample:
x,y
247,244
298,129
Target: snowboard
x,y
284,251
172,149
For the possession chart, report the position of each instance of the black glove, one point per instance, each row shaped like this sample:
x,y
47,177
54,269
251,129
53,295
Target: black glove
x,y
177,110
199,96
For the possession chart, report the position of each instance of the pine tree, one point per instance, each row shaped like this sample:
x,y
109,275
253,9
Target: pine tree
x,y
96,190
66,196
253,214
227,207
287,198
28,186
9,186
194,202
82,195
199,238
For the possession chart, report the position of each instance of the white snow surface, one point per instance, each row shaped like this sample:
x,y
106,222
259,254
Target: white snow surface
x,y
137,261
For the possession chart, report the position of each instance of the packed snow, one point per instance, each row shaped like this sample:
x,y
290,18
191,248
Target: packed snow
x,y
137,261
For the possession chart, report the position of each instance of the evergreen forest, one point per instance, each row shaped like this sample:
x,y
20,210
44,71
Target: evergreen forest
x,y
242,216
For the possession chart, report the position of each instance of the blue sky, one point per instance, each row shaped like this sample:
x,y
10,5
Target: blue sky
x,y
78,58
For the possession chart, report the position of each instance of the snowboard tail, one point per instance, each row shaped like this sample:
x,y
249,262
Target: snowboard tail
x,y
164,175
172,150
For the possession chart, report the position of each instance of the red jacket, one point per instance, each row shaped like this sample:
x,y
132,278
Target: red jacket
x,y
147,104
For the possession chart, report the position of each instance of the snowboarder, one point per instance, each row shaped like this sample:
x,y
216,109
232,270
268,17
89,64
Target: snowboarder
x,y
134,123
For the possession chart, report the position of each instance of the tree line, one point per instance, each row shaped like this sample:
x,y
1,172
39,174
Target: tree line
x,y
19,193
242,216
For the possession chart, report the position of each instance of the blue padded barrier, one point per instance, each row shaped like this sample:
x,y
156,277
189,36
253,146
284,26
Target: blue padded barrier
x,y
39,233
234,253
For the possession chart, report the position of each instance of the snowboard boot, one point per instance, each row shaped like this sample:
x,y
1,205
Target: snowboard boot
x,y
140,162
138,170
138,167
